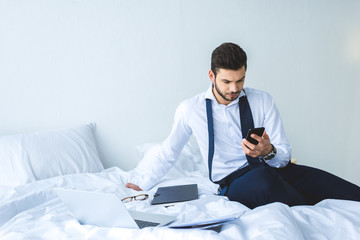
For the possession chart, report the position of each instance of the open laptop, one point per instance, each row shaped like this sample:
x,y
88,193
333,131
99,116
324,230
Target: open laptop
x,y
107,210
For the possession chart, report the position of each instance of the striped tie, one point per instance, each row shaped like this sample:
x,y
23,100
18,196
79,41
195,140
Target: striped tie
x,y
247,123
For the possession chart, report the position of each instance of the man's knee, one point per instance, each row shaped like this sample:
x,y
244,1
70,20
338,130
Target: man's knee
x,y
254,188
262,186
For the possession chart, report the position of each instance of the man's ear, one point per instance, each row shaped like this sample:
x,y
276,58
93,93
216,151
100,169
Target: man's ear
x,y
212,76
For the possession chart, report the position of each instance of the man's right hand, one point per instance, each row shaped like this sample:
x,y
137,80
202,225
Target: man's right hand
x,y
133,186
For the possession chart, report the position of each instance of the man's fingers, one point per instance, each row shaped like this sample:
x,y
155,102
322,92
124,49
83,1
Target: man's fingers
x,y
259,138
250,149
256,137
264,140
247,149
265,136
247,144
256,150
133,186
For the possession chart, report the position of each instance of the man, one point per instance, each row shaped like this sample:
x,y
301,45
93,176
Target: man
x,y
252,174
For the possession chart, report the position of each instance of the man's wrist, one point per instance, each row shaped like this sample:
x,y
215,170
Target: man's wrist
x,y
271,154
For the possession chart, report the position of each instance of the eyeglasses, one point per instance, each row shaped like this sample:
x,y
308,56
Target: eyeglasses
x,y
140,197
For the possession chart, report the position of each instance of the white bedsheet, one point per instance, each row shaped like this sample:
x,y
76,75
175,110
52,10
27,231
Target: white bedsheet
x,y
34,211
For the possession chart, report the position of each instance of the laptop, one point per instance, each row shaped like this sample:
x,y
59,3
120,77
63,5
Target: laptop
x,y
107,210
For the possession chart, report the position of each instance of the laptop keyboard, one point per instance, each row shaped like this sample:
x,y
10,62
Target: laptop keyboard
x,y
143,224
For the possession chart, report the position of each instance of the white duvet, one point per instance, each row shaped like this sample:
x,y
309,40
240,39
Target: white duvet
x,y
34,211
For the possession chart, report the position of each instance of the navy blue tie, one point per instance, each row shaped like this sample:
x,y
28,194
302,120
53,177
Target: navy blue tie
x,y
211,135
247,123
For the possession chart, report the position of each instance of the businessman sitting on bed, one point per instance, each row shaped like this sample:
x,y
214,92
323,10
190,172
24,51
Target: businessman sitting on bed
x,y
255,173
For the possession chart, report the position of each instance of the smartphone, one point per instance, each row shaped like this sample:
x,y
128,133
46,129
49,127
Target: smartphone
x,y
258,131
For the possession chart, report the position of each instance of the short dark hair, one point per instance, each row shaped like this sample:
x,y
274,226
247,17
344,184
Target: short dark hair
x,y
228,56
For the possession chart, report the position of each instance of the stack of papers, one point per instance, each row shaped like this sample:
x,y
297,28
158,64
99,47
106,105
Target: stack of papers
x,y
210,224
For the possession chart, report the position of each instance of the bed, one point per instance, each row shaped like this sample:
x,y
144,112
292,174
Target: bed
x,y
34,164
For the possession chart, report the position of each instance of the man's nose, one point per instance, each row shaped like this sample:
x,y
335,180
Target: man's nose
x,y
233,87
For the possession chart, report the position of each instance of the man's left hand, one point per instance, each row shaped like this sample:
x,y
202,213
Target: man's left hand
x,y
263,148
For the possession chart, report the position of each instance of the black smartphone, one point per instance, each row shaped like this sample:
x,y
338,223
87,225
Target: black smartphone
x,y
258,131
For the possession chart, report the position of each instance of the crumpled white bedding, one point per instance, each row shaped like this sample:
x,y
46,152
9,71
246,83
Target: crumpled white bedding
x,y
34,211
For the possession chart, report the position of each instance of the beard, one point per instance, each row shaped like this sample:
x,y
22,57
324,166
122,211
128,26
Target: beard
x,y
223,95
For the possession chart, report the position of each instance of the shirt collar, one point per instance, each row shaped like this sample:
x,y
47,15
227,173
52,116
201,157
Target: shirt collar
x,y
210,95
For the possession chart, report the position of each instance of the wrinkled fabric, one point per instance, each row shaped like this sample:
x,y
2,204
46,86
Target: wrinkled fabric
x,y
33,211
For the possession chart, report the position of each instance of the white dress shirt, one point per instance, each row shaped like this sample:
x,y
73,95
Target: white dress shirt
x,y
190,118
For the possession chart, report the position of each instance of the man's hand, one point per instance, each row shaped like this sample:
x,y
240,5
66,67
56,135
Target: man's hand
x,y
133,186
263,148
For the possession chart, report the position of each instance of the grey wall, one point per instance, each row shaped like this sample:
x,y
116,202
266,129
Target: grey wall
x,y
127,64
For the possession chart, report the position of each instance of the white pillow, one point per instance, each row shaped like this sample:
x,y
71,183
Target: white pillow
x,y
25,158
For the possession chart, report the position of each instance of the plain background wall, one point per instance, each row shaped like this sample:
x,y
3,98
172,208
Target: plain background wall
x,y
127,64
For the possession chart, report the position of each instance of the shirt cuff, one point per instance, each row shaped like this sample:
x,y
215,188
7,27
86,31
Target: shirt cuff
x,y
281,158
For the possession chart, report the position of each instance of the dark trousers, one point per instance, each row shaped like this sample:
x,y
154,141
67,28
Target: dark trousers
x,y
292,185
